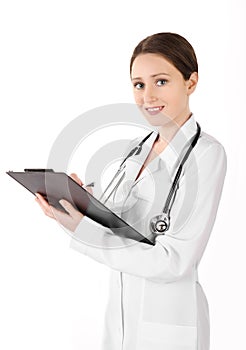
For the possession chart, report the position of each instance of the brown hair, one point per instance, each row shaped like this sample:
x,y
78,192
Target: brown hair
x,y
173,47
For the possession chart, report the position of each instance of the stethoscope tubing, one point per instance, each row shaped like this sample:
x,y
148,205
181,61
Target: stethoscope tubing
x,y
173,189
172,193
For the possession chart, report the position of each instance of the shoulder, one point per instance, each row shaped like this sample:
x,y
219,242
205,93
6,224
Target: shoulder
x,y
208,157
209,145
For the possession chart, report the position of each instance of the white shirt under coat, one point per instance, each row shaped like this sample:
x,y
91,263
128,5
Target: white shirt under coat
x,y
156,301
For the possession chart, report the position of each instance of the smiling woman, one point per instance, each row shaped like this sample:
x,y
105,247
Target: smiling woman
x,y
156,91
164,73
156,301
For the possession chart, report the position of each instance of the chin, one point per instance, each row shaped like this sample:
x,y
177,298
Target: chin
x,y
158,120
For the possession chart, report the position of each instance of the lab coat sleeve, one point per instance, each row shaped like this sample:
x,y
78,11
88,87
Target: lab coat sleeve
x,y
174,253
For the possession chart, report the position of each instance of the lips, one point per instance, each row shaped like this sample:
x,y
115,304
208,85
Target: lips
x,y
154,110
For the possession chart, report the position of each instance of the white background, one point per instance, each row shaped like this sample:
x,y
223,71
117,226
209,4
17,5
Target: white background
x,y
60,59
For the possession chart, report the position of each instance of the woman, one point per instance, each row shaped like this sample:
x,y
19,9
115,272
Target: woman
x,y
156,301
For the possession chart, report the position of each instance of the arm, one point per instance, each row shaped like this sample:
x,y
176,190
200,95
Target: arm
x,y
175,252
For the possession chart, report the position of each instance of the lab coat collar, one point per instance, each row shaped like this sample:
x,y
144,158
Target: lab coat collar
x,y
134,164
174,151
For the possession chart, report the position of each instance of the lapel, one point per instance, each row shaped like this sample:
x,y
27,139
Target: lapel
x,y
121,184
135,162
166,163
169,158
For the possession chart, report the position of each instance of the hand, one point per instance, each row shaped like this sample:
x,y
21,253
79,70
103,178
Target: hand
x,y
77,179
69,220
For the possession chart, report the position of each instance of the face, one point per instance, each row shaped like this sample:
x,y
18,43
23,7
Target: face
x,y
160,90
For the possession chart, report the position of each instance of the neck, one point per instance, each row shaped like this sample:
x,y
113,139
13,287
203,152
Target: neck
x,y
168,131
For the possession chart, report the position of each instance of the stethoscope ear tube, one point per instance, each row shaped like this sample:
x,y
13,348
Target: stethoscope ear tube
x,y
136,150
159,224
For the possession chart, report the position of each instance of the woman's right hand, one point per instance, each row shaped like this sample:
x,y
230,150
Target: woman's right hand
x,y
77,179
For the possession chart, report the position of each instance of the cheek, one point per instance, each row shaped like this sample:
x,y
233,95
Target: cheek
x,y
179,96
138,97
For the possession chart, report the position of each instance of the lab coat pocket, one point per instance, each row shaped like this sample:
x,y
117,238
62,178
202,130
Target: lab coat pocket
x,y
161,336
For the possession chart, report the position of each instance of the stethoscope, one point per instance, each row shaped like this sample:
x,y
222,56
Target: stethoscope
x,y
159,224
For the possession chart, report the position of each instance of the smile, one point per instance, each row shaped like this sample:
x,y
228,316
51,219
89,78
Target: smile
x,y
154,110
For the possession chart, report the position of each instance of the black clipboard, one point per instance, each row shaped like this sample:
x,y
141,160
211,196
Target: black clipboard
x,y
54,186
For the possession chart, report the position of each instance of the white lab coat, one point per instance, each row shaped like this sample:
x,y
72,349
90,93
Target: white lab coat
x,y
156,301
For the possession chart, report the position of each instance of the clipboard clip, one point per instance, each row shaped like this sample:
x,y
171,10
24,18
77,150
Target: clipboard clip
x,y
38,170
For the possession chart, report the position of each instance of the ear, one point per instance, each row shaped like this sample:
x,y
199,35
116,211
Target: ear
x,y
192,83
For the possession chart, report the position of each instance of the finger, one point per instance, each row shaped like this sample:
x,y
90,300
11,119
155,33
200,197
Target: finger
x,y
47,209
89,189
67,206
42,200
44,206
70,209
69,221
76,178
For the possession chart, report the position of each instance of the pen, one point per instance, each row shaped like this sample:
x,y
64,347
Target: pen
x,y
91,184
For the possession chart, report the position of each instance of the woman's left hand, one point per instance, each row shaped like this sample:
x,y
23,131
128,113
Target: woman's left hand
x,y
69,221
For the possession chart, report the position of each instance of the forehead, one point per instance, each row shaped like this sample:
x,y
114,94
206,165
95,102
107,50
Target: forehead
x,y
150,64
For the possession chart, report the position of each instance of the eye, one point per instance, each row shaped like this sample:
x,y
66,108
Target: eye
x,y
138,85
161,82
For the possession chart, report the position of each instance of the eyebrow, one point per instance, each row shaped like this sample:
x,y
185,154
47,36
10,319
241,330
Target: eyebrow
x,y
152,76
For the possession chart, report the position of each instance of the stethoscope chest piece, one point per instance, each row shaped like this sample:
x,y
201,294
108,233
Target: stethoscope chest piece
x,y
160,224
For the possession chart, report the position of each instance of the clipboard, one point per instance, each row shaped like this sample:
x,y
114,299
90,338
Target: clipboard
x,y
54,186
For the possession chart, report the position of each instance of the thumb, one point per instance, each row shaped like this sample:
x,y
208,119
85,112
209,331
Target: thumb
x,y
67,206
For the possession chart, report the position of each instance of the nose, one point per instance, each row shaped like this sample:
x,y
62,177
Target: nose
x,y
149,94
